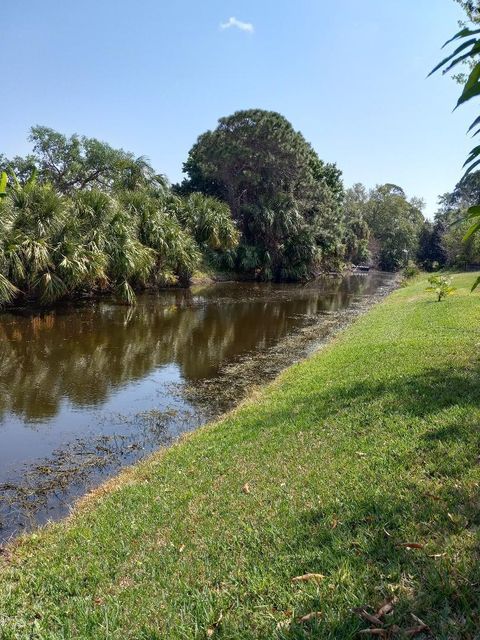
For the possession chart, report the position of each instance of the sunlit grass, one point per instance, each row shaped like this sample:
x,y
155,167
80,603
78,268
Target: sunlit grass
x,y
371,444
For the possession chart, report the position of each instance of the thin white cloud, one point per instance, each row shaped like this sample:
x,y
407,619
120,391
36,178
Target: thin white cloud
x,y
238,24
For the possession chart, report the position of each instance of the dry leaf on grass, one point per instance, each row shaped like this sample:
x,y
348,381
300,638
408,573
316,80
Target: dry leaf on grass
x,y
283,624
385,608
414,631
314,615
125,583
420,627
363,613
211,630
307,577
411,545
246,488
433,496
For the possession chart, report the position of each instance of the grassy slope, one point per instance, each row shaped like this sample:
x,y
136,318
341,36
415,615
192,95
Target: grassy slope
x,y
371,443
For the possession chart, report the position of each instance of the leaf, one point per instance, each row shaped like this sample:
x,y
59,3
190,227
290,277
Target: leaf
x,y
471,230
419,621
470,168
307,577
411,545
3,184
475,284
246,488
452,55
471,54
8,291
314,615
468,94
463,33
473,212
386,608
421,627
473,77
475,123
472,155
414,631
363,613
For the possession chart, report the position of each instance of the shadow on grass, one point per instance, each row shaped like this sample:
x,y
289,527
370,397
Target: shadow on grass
x,y
440,582
418,395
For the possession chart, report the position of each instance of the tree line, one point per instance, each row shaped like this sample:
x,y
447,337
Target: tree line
x,y
80,217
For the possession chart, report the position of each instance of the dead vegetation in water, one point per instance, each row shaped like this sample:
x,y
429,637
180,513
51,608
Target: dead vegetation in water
x,y
48,487
237,379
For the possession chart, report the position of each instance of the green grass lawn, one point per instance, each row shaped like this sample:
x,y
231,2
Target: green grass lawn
x,y
368,445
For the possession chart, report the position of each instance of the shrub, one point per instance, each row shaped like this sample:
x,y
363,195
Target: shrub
x,y
441,285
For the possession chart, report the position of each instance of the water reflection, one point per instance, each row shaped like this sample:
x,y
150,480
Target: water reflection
x,y
84,354
87,389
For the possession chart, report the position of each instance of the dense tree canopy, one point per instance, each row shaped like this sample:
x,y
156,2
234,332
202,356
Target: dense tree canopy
x,y
79,162
78,216
357,231
432,253
286,201
393,223
465,194
452,222
81,217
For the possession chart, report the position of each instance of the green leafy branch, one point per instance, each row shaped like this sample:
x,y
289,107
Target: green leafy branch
x,y
468,51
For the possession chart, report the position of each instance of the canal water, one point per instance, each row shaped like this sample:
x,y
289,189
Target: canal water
x,y
88,388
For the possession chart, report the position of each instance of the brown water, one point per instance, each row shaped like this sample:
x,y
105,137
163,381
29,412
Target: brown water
x,y
89,388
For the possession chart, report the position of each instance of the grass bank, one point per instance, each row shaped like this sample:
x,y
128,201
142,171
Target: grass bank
x,y
367,446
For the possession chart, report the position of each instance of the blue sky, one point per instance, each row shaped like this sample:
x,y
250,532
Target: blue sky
x,y
150,76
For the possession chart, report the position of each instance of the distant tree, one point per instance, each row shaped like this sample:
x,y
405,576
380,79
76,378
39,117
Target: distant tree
x,y
471,8
79,162
465,194
395,223
285,200
83,218
452,216
431,252
460,252
357,231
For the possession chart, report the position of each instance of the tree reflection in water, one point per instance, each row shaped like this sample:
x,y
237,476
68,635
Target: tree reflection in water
x,y
85,353
67,362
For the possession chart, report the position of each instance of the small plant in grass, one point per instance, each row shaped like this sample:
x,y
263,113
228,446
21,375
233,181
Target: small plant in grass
x,y
3,184
411,270
441,285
